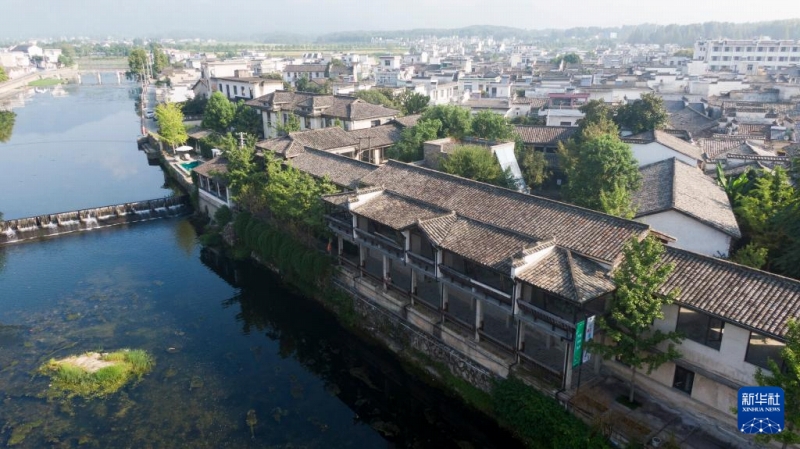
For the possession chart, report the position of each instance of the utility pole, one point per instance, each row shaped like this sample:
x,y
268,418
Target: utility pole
x,y
241,140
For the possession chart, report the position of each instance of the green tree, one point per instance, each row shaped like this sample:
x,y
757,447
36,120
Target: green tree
x,y
456,121
3,75
789,380
532,164
601,172
413,102
247,120
490,126
137,63
7,120
572,58
684,52
170,124
751,255
474,162
293,196
219,113
637,303
292,124
304,85
596,112
160,60
409,147
644,114
67,56
377,96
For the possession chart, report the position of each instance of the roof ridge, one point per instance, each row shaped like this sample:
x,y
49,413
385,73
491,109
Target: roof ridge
x,y
573,278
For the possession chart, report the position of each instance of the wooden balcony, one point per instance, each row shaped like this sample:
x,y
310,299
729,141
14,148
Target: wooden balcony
x,y
340,227
476,289
381,244
530,311
422,263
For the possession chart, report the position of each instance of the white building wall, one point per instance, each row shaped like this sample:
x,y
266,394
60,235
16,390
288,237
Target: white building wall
x,y
691,234
647,153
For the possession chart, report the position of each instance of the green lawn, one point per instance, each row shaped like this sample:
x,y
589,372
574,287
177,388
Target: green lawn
x,y
46,82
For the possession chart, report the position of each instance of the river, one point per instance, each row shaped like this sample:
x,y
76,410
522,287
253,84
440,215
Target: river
x,y
227,337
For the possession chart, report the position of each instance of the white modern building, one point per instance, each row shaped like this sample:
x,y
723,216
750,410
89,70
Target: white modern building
x,y
747,55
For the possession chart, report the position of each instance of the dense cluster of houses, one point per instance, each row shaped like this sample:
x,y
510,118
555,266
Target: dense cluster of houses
x,y
505,277
22,59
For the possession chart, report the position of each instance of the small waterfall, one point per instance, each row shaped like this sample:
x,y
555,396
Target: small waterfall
x,y
53,224
105,213
26,224
68,219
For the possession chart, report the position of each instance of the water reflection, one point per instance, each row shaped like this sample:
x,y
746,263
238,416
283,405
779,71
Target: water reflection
x,y
7,119
372,382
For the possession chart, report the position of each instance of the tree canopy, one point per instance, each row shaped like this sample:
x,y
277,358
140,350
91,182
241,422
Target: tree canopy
x,y
456,121
789,380
170,124
490,126
137,63
381,97
413,102
636,304
644,114
246,119
3,75
219,113
602,172
409,147
292,124
477,163
532,164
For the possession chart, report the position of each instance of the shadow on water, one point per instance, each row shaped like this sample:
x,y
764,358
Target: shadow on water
x,y
370,380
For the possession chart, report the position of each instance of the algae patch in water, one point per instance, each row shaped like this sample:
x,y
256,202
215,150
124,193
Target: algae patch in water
x,y
93,374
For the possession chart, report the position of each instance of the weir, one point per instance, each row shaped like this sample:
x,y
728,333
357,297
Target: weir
x,y
21,229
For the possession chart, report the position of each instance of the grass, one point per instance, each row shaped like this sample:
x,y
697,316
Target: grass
x,y
46,82
68,380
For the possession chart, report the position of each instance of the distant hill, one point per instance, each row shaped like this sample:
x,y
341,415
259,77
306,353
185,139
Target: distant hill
x,y
683,35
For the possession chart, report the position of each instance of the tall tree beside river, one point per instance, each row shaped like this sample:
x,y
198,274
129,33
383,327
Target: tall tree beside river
x,y
170,124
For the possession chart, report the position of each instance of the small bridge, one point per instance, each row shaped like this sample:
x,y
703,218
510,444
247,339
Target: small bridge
x,y
22,229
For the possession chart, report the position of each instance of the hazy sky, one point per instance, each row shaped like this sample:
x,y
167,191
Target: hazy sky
x,y
45,18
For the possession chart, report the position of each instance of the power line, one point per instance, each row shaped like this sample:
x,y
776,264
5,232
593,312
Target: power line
x,y
3,145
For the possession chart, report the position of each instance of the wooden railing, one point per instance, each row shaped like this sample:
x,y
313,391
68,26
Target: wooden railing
x,y
422,263
549,318
477,289
382,244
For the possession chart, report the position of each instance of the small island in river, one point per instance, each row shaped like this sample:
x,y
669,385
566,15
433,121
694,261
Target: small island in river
x,y
94,374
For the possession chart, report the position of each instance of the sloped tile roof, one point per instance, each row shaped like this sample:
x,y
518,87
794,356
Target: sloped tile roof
x,y
351,108
305,68
284,146
584,231
718,146
396,211
569,276
540,135
376,137
408,120
213,168
342,171
324,138
754,298
672,184
668,140
690,120
480,242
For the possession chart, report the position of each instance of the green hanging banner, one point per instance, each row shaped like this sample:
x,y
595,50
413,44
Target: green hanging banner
x,y
577,353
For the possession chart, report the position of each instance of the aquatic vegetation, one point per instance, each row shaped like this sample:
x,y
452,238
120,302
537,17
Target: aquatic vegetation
x,y
251,421
93,375
22,431
195,383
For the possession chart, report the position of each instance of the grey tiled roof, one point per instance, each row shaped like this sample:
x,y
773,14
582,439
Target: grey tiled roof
x,y
324,138
342,171
718,146
584,231
568,276
408,120
376,137
284,146
305,68
396,211
740,294
690,120
668,140
350,108
213,168
488,245
672,184
534,135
